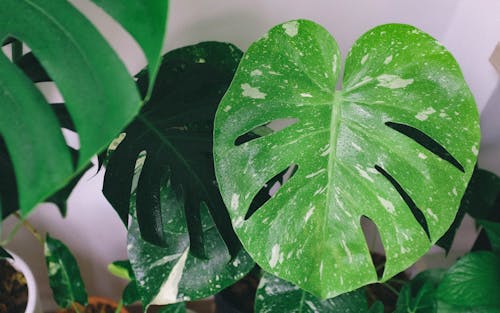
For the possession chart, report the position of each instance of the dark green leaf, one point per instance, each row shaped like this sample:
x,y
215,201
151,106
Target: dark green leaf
x,y
377,307
99,93
64,275
4,254
419,295
390,146
277,295
131,293
492,230
171,274
174,308
174,131
146,21
472,283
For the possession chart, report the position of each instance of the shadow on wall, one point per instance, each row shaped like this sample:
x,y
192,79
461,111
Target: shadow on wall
x,y
489,156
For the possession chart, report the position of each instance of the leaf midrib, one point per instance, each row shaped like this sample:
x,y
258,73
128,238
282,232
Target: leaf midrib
x,y
332,157
177,154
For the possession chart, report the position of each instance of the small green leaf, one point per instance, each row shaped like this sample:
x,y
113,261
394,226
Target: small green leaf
x,y
64,275
146,21
472,282
121,269
100,95
493,232
419,295
397,144
277,295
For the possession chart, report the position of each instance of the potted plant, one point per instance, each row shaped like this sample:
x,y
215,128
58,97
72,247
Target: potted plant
x,y
397,145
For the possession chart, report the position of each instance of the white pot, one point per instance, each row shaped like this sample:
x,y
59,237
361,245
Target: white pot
x,y
34,304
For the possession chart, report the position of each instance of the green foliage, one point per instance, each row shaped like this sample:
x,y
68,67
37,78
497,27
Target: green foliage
x,y
99,94
277,295
479,201
174,131
4,254
390,146
64,275
471,284
419,295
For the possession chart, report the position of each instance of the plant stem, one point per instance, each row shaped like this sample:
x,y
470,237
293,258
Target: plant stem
x,y
31,229
119,307
17,51
11,234
388,286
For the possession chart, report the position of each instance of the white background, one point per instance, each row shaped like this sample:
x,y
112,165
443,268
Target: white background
x,y
470,29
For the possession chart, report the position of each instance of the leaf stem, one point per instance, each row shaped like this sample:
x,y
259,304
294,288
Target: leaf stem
x,y
31,229
388,286
119,307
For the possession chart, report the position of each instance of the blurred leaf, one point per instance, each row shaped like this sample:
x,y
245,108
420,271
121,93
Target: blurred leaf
x,y
99,94
146,21
121,269
64,275
479,201
131,293
4,254
277,295
492,230
471,284
419,295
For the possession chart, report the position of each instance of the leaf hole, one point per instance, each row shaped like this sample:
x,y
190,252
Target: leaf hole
x,y
417,213
270,188
427,142
265,130
374,242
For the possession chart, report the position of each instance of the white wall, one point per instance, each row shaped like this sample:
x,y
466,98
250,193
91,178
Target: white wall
x,y
470,29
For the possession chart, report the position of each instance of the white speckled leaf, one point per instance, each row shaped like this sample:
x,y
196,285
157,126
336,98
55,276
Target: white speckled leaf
x,y
171,274
350,147
277,295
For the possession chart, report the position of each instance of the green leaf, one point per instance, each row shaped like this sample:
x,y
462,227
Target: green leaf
x,y
100,95
493,231
174,131
122,269
472,283
277,295
419,295
391,146
131,293
4,254
64,275
174,308
146,21
172,274
478,201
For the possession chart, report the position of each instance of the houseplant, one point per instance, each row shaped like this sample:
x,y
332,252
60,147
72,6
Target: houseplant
x,y
167,187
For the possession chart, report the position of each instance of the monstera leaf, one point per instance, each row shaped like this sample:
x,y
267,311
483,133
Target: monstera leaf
x,y
181,243
277,295
174,130
99,94
166,275
397,144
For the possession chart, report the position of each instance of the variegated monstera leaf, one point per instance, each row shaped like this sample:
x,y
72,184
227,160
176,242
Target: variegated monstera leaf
x,y
396,144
